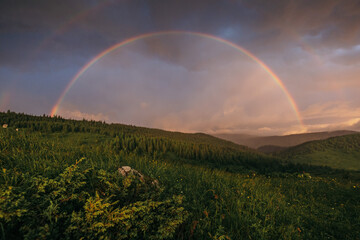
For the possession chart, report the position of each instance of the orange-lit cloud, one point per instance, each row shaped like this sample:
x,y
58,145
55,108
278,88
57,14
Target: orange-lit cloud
x,y
332,116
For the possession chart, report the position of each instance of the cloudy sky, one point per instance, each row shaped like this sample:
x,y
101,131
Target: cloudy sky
x,y
190,74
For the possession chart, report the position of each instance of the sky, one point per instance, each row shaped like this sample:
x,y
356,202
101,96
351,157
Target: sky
x,y
215,66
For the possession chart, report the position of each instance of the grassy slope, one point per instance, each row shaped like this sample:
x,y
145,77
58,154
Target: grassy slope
x,y
338,152
239,206
220,204
281,141
199,138
225,154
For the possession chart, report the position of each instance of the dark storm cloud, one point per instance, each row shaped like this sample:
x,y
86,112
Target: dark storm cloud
x,y
24,25
208,16
323,22
257,25
330,20
24,15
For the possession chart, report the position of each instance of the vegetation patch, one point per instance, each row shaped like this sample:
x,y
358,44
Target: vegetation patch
x,y
59,182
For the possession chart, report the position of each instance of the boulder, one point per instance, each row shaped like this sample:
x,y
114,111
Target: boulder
x,y
126,171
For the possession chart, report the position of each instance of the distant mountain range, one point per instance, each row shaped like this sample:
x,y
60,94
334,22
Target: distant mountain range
x,y
277,143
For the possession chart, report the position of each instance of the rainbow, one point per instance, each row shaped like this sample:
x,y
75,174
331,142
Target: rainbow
x,y
153,34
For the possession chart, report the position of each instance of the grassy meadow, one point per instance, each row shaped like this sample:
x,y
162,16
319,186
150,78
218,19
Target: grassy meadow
x,y
341,152
59,180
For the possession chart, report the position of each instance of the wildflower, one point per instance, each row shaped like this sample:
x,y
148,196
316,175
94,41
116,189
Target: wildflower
x,y
206,213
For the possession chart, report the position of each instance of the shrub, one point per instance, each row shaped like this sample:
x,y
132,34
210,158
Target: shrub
x,y
88,204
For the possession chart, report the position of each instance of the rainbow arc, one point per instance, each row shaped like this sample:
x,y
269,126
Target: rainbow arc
x,y
154,34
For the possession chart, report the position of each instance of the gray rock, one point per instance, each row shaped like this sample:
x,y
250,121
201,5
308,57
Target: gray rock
x,y
126,171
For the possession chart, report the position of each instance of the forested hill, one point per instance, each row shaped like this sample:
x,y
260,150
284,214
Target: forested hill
x,y
58,124
196,148
341,152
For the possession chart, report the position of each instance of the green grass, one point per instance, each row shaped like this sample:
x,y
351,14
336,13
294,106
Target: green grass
x,y
331,158
338,152
195,200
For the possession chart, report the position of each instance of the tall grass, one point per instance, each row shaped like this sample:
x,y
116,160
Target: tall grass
x,y
221,205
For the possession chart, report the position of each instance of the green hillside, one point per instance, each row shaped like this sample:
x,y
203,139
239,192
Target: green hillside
x,y
59,179
338,152
262,142
196,148
58,124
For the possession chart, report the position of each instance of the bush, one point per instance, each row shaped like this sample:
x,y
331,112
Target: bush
x,y
88,204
